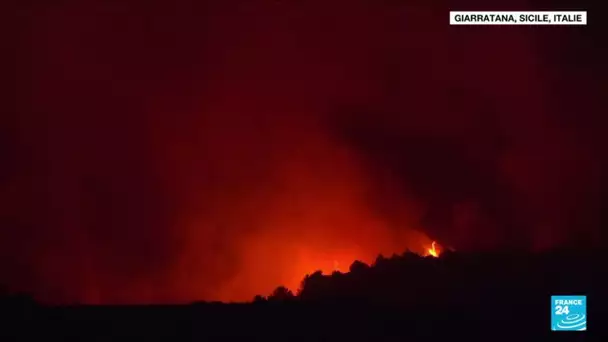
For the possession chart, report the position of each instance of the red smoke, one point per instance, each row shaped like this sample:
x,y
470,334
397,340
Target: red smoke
x,y
166,153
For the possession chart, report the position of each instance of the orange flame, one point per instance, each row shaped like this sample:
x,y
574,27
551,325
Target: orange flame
x,y
433,251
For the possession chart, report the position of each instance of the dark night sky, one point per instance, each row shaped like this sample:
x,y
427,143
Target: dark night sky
x,y
157,152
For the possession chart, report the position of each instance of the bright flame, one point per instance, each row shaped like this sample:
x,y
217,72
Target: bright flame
x,y
433,251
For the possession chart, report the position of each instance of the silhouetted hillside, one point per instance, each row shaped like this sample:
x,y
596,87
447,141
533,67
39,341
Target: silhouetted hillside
x,y
492,297
409,279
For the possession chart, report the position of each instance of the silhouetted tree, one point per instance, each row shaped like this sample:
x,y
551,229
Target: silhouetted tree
x,y
358,267
407,255
281,293
381,261
259,299
311,280
313,285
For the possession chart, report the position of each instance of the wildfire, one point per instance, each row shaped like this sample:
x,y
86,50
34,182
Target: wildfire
x,y
433,251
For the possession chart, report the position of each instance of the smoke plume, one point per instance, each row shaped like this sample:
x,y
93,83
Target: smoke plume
x,y
173,152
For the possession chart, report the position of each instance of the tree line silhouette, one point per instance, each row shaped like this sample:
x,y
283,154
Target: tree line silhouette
x,y
409,279
492,296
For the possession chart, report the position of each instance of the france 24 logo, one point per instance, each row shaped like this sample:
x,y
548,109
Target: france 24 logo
x,y
568,313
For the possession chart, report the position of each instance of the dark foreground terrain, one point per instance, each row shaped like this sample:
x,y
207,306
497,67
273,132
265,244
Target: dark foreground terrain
x,y
490,297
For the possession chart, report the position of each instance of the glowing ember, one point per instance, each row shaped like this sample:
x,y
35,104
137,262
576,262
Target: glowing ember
x,y
433,251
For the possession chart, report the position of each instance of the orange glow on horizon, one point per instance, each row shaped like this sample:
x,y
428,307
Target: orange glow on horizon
x,y
339,261
301,259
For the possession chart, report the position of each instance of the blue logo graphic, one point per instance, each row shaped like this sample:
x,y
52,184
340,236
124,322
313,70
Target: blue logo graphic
x,y
568,313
